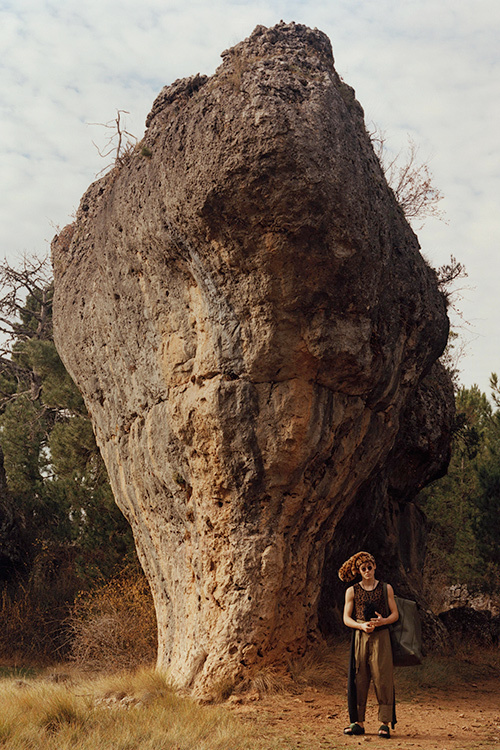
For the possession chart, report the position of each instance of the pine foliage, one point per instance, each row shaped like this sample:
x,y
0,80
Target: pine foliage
x,y
463,507
71,533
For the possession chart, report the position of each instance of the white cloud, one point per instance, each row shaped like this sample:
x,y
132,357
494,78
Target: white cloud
x,y
425,68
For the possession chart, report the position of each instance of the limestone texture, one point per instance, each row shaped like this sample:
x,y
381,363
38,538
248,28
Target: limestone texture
x,y
249,318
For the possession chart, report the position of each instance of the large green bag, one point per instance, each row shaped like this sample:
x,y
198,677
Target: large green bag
x,y
406,633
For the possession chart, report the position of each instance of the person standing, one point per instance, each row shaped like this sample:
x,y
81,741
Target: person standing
x,y
369,612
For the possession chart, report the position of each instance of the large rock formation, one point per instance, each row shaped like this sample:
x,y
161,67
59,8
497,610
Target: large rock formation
x,y
248,316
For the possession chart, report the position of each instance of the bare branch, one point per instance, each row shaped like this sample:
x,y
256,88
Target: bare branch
x,y
410,180
121,143
31,279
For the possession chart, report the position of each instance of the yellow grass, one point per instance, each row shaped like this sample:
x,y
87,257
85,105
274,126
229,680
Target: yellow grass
x,y
139,711
125,712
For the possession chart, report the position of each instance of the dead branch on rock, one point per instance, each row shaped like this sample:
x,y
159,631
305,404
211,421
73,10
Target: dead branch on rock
x,y
120,143
410,180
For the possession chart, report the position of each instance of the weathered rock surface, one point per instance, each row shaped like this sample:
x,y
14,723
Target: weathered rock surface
x,y
459,595
248,316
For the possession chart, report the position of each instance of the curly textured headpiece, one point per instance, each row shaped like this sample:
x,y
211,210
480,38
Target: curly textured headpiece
x,y
350,569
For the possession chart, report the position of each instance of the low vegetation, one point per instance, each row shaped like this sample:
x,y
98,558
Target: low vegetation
x,y
124,712
113,626
302,708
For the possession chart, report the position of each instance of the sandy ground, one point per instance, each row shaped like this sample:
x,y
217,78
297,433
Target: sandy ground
x,y
461,716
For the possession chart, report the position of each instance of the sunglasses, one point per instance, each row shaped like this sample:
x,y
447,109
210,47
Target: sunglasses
x,y
365,568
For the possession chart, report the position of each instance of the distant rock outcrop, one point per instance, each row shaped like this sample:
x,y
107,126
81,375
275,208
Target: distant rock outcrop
x,y
251,323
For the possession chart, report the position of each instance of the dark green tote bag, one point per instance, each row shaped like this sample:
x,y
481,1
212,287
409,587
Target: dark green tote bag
x,y
406,633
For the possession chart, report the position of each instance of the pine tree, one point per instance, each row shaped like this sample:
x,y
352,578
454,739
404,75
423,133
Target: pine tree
x,y
463,507
54,469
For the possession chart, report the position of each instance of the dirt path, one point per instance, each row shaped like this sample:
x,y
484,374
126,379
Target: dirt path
x,y
460,716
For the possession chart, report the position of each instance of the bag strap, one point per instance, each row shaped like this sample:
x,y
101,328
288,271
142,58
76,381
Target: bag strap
x,y
394,719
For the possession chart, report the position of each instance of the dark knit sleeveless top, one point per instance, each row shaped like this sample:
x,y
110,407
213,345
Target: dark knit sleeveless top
x,y
366,603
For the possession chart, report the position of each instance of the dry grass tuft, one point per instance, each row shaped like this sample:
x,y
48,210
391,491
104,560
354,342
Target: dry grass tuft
x,y
222,690
126,711
33,711
321,666
270,681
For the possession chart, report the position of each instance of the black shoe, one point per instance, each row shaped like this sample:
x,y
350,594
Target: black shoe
x,y
354,729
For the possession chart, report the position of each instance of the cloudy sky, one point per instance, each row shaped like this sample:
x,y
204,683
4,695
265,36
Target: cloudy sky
x,y
428,70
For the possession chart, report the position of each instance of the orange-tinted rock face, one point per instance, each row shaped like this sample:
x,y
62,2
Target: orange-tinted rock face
x,y
247,314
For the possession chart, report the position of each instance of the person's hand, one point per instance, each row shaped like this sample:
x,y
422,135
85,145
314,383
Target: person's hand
x,y
367,627
378,620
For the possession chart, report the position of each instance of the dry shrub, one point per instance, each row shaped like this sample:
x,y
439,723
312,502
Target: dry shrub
x,y
20,631
410,180
33,609
114,627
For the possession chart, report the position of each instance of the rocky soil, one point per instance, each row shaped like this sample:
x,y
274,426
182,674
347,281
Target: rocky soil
x,y
435,712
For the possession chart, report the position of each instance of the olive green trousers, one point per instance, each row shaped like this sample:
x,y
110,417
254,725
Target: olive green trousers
x,y
373,654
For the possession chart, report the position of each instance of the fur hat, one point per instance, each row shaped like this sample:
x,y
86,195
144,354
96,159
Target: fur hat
x,y
350,569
